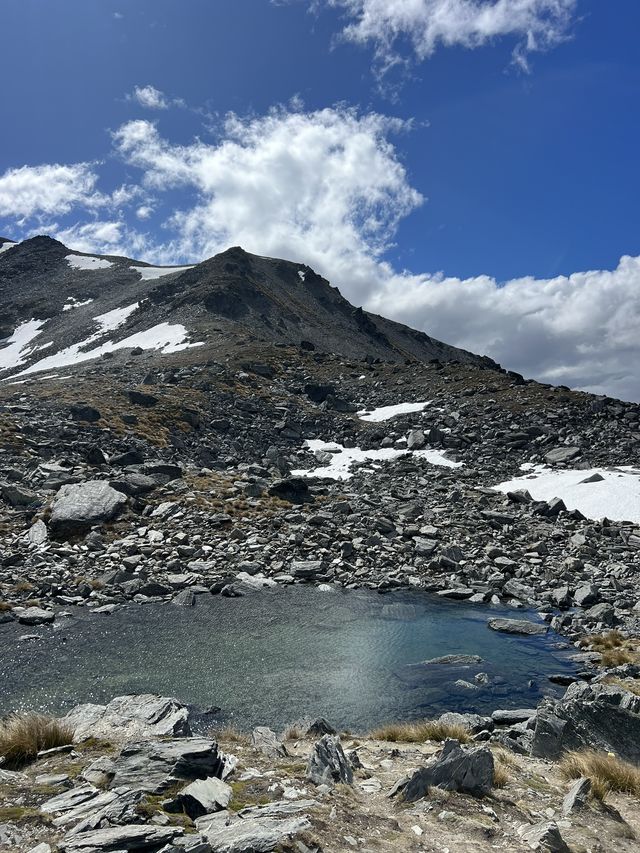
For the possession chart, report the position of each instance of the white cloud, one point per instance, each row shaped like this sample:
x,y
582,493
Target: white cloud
x,y
48,189
426,24
107,237
327,188
153,99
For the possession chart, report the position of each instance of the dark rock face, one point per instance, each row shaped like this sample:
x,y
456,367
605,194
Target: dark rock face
x,y
598,715
328,764
468,771
295,490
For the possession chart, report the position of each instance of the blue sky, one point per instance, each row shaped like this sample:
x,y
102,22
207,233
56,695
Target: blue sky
x,y
498,170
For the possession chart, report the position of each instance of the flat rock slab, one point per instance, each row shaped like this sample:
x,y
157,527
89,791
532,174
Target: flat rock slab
x,y
258,835
154,766
36,616
518,626
121,838
131,718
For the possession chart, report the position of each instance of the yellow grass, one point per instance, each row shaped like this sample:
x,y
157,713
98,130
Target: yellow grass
x,y
23,736
606,772
420,731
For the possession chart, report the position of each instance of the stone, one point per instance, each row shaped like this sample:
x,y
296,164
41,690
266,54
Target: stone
x,y
200,798
320,727
185,598
153,766
517,626
454,660
130,717
78,506
294,490
84,412
578,796
36,616
120,838
38,533
141,398
328,764
511,716
17,495
596,716
267,742
562,454
586,595
545,837
254,835
416,439
473,723
468,771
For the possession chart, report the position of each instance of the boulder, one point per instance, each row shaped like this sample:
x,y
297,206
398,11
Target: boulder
x,y
267,742
468,771
517,626
36,616
131,717
328,764
294,490
78,506
546,837
120,838
258,835
598,716
201,797
578,796
562,454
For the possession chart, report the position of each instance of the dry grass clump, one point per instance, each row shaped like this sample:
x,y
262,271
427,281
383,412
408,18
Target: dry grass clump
x,y
5,606
420,731
293,732
615,649
23,736
606,772
232,735
630,684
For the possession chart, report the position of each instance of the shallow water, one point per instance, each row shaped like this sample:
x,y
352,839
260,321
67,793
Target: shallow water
x,y
280,655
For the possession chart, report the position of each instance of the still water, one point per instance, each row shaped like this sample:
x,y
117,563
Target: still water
x,y
277,656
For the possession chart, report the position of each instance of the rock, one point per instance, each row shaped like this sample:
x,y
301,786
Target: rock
x,y
36,616
468,771
78,506
586,595
201,797
153,766
267,742
597,716
473,723
319,728
545,837
416,439
512,716
254,835
328,764
84,412
562,454
37,533
141,398
41,848
294,490
185,598
306,568
578,796
517,626
120,839
131,717
454,660
17,495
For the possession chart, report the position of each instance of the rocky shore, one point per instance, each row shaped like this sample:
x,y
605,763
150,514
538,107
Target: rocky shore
x,y
134,777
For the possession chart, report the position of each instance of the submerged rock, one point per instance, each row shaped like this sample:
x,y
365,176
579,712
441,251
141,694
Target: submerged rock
x,y
517,626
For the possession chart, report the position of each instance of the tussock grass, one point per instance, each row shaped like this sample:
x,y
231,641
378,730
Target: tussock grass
x,y
5,606
630,684
606,772
231,734
419,732
23,736
615,649
293,732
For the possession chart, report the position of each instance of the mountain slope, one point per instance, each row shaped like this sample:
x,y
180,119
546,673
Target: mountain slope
x,y
78,307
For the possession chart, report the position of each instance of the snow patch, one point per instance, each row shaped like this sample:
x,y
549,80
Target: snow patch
x,y
75,303
615,496
79,262
302,275
149,273
385,413
17,348
6,246
338,467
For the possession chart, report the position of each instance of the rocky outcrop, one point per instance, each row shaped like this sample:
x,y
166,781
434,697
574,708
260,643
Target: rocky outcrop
x,y
468,771
130,718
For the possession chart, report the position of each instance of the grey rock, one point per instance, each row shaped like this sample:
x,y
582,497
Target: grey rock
x,y
254,835
201,797
511,716
545,837
454,660
467,771
328,764
474,723
78,506
562,454
117,839
131,717
517,626
185,598
36,616
153,766
267,742
578,796
38,533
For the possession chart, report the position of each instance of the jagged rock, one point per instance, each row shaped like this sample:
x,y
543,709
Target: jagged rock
x,y
517,626
320,727
17,495
116,839
185,598
78,506
258,835
200,798
267,742
468,771
562,454
545,837
153,766
578,796
130,717
328,764
598,716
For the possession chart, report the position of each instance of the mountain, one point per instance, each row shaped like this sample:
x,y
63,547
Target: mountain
x,y
228,299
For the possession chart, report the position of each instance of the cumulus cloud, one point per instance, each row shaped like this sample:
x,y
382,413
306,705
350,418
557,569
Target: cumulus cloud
x,y
106,237
328,188
153,99
426,24
49,189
